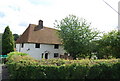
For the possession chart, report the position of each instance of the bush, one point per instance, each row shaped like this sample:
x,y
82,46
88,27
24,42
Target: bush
x,y
28,68
100,71
11,55
116,71
16,53
76,71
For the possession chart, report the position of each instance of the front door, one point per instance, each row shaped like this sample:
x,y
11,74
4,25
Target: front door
x,y
46,55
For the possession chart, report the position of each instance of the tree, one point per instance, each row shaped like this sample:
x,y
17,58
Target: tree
x,y
109,45
16,36
7,41
75,35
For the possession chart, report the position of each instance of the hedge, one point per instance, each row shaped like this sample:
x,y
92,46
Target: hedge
x,y
26,67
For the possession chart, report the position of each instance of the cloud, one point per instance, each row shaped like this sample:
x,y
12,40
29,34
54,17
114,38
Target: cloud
x,y
2,14
2,25
24,24
19,14
41,2
15,8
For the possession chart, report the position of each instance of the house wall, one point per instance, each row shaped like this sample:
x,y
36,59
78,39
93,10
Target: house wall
x,y
30,49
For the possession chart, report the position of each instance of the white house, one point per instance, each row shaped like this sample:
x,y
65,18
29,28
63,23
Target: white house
x,y
40,42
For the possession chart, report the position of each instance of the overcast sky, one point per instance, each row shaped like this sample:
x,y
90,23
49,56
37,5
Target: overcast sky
x,y
18,14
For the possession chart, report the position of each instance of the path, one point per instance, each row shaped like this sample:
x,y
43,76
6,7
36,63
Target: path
x,y
3,72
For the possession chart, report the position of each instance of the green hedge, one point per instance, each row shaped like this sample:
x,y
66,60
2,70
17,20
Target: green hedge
x,y
28,68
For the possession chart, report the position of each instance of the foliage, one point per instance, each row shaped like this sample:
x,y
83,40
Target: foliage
x,y
7,41
75,35
11,54
16,36
101,71
0,43
28,68
109,45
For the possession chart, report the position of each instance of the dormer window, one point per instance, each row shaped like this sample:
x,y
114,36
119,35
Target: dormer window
x,y
37,45
56,46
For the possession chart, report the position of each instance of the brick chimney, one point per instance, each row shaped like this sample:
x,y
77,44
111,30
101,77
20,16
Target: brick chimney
x,y
39,26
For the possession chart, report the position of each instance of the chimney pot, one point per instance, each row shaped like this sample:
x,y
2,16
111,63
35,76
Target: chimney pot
x,y
40,25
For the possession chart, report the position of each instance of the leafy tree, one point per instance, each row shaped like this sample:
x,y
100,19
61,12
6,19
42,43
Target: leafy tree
x,y
16,36
75,35
109,45
7,41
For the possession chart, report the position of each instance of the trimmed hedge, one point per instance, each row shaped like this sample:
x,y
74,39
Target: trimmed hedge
x,y
28,68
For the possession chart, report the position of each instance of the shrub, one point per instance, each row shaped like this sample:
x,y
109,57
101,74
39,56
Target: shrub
x,y
11,55
100,71
25,67
17,53
116,70
76,71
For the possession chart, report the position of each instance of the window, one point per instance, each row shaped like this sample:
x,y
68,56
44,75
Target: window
x,y
56,46
22,45
42,55
37,45
56,54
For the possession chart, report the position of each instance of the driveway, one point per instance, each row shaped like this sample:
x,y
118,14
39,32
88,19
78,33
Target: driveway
x,y
0,72
3,72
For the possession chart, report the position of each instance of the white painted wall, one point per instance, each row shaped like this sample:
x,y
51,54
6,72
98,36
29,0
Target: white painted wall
x,y
37,52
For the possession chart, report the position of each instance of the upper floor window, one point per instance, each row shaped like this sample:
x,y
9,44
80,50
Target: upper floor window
x,y
56,46
37,45
22,45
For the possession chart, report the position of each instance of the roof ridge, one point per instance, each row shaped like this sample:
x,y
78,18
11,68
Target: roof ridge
x,y
47,35
50,28
44,26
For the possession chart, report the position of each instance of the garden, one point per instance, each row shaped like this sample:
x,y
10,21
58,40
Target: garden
x,y
80,41
22,66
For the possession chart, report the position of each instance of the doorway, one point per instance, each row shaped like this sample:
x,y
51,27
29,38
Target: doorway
x,y
46,55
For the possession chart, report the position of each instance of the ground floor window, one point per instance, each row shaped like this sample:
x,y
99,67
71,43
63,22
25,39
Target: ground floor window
x,y
42,55
22,45
56,54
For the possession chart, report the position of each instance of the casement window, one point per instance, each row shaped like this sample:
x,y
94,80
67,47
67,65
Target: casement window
x,y
56,55
56,46
22,45
37,45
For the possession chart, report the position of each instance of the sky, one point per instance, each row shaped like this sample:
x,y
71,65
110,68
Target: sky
x,y
18,14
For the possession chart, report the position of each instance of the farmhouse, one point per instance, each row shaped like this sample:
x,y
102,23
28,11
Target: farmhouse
x,y
40,42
